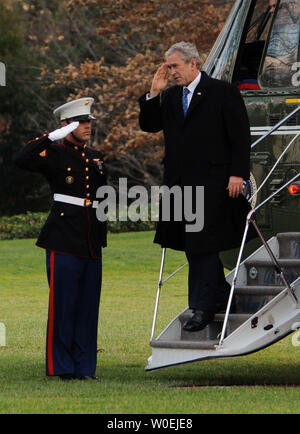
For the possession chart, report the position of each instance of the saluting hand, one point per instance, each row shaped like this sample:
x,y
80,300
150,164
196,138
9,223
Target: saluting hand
x,y
235,185
63,132
160,80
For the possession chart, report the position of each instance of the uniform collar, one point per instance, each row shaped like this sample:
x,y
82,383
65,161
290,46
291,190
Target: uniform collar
x,y
73,146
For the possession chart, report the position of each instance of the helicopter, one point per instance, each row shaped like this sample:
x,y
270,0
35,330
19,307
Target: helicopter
x,y
258,50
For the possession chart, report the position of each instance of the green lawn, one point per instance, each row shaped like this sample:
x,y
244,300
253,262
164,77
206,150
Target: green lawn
x,y
264,382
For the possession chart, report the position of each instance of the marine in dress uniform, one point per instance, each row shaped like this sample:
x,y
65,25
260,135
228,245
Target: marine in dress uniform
x,y
73,238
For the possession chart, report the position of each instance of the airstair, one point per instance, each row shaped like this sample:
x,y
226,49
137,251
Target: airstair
x,y
265,311
265,295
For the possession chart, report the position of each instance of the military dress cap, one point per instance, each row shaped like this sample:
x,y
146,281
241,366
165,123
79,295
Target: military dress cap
x,y
77,110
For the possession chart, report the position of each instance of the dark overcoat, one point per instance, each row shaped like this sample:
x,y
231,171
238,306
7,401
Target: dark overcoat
x,y
203,148
74,171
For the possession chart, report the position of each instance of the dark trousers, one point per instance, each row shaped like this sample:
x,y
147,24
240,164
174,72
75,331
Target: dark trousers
x,y
75,286
207,284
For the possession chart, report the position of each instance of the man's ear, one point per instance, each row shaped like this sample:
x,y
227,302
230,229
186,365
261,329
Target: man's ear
x,y
64,123
194,62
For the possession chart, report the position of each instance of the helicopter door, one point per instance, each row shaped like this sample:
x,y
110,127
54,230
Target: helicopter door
x,y
222,58
248,55
267,72
246,76
279,77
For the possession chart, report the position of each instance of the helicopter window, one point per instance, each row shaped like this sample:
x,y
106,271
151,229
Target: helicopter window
x,y
222,68
282,53
260,21
251,51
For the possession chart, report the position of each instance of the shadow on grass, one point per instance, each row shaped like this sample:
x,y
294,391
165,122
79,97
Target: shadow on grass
x,y
229,372
240,371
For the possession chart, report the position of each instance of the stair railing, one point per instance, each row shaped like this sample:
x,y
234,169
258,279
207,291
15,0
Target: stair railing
x,y
250,219
159,285
273,168
278,125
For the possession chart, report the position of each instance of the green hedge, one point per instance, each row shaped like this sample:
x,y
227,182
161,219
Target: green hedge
x,y
29,225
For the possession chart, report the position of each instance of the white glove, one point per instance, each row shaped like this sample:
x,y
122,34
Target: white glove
x,y
60,133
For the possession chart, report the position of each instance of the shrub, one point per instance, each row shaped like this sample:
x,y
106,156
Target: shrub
x,y
22,225
30,224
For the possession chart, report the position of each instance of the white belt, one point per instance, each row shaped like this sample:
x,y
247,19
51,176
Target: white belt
x,y
72,200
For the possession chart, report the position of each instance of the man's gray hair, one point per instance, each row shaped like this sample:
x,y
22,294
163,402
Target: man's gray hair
x,y
187,50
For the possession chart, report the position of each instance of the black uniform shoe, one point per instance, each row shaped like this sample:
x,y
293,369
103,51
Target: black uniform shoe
x,y
88,377
199,321
67,377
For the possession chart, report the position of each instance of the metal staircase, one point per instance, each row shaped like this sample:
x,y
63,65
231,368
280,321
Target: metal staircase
x,y
264,311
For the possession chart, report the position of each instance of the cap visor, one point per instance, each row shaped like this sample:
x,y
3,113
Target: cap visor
x,y
82,118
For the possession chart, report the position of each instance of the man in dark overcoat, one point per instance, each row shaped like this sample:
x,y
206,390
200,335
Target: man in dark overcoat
x,y
207,143
73,239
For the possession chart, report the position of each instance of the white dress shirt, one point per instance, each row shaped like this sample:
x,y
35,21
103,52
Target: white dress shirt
x,y
191,87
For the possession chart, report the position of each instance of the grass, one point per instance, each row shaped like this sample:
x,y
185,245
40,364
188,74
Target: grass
x,y
264,382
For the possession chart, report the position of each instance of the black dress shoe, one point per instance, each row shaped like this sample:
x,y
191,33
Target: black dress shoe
x,y
67,377
88,377
199,321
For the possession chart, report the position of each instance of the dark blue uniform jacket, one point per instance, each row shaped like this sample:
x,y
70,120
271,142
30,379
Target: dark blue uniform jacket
x,y
75,171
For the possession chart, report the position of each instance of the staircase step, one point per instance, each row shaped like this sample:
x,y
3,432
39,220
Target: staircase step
x,y
289,244
259,290
249,299
218,317
283,262
262,271
188,345
233,317
212,330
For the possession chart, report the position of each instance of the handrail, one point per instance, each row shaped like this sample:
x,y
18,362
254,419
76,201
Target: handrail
x,y
275,128
159,285
278,125
248,221
271,171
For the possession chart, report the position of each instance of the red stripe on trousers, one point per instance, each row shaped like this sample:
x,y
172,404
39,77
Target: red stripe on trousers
x,y
51,316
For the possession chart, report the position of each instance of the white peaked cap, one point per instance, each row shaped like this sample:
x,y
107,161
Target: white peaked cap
x,y
79,108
